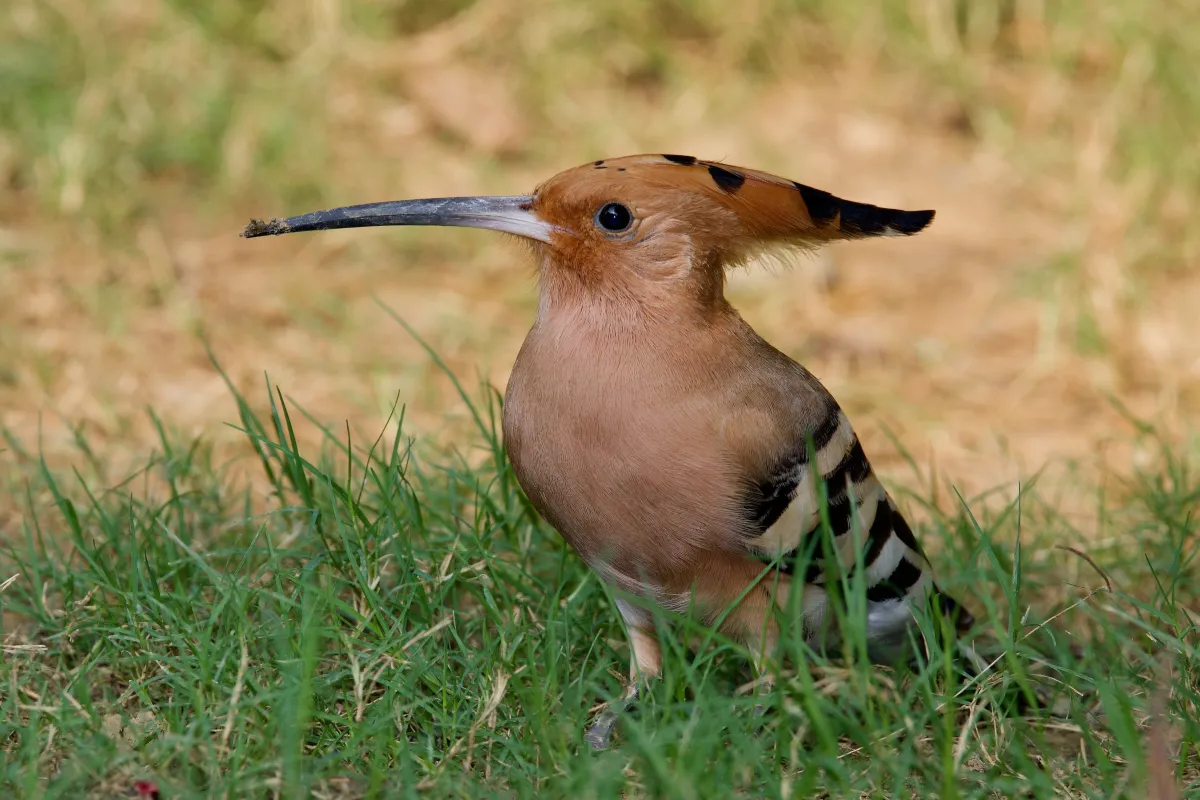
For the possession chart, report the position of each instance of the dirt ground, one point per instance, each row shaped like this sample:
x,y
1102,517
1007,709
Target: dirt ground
x,y
961,341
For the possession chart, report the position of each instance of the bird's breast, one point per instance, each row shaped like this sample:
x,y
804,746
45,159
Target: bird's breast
x,y
624,461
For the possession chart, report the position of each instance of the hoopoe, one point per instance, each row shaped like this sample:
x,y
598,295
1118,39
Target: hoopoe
x,y
687,461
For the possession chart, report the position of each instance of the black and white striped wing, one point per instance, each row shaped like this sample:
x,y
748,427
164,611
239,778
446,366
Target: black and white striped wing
x,y
784,512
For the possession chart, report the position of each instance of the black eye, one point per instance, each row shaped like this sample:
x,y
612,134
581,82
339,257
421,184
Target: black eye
x,y
614,217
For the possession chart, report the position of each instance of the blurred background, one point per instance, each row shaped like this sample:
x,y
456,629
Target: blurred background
x,y
1057,140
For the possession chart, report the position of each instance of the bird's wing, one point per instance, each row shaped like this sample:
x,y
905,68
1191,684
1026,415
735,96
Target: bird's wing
x,y
782,505
821,474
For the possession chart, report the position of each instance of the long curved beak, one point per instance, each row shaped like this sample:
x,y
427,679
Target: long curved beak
x,y
508,214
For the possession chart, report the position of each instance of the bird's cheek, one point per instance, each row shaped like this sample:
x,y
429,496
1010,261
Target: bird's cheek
x,y
661,257
566,250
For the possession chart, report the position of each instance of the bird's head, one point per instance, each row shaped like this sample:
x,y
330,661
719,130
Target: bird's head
x,y
651,222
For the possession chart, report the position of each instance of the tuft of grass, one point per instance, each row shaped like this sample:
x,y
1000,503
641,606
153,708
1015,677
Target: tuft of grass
x,y
367,622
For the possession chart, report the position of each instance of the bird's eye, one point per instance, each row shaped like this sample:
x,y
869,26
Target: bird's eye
x,y
614,217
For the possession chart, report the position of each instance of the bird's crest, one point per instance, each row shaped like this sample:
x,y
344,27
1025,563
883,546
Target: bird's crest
x,y
767,205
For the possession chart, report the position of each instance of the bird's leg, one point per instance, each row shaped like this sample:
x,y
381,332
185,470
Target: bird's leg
x,y
756,619
762,651
645,662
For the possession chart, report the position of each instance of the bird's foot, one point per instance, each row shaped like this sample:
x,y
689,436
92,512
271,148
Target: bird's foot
x,y
763,690
599,733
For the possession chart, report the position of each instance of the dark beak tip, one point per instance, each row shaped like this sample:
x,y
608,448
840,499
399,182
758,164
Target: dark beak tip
x,y
258,227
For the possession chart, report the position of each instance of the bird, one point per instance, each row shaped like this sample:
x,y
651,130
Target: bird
x,y
692,465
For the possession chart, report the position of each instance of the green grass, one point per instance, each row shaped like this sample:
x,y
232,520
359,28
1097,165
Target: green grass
x,y
382,622
367,622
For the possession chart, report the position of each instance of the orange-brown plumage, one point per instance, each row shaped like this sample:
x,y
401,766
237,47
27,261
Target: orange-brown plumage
x,y
728,211
675,450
